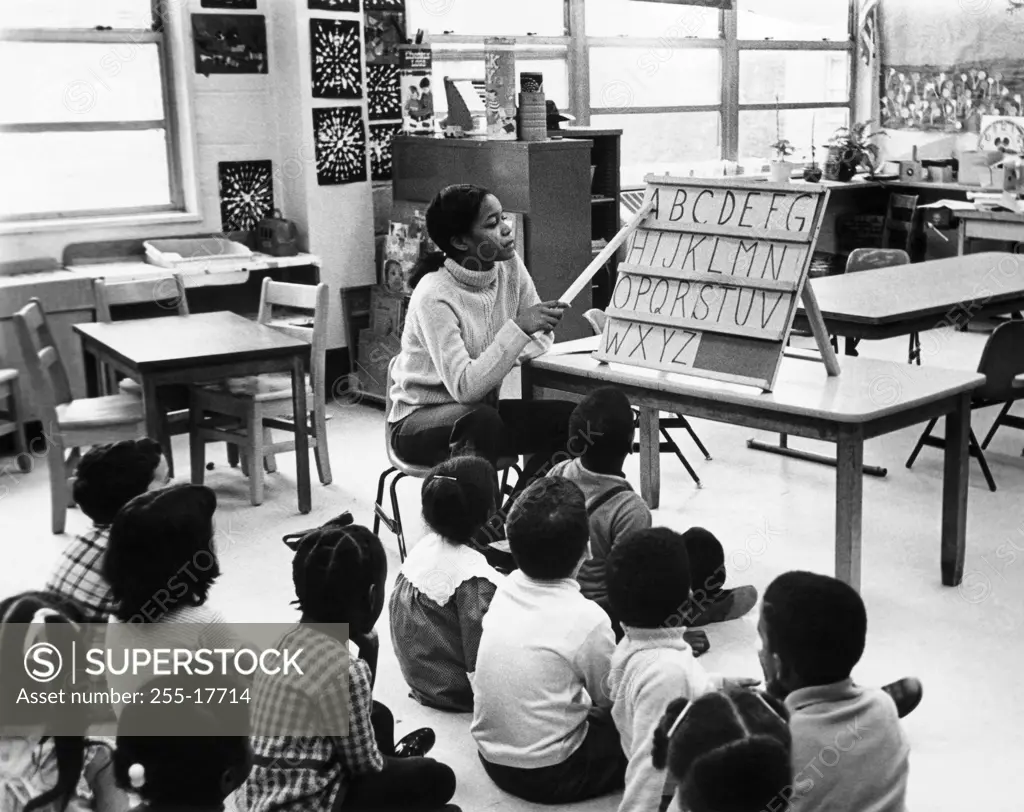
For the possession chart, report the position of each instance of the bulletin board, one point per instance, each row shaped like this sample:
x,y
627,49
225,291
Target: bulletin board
x,y
713,277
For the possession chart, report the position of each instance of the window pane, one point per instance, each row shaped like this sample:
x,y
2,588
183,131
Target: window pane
x,y
77,13
496,17
45,172
794,76
556,80
72,81
613,18
793,19
758,133
649,77
663,142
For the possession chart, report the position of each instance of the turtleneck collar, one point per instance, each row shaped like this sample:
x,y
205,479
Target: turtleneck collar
x,y
471,279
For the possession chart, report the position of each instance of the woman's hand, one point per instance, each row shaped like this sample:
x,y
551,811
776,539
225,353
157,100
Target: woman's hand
x,y
541,318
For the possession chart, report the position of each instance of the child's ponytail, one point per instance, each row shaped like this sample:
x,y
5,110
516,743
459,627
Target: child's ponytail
x,y
752,774
459,496
662,734
451,214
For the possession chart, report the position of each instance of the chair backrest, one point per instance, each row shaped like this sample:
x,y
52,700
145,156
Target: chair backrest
x,y
46,370
866,259
1002,360
387,390
900,216
167,291
597,319
313,299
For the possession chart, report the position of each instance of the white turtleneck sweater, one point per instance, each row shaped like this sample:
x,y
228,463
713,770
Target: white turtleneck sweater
x,y
460,338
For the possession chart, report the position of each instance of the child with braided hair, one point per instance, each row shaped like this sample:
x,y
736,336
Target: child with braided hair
x,y
339,572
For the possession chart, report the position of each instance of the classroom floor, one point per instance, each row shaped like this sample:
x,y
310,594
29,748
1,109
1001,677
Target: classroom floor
x,y
772,515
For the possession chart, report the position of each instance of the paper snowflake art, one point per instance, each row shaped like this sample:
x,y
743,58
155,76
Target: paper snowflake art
x,y
340,145
383,92
377,5
336,55
246,193
382,150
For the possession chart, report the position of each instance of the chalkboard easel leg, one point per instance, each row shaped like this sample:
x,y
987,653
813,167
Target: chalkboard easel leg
x,y
783,450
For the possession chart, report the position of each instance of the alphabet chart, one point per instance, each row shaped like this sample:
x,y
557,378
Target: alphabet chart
x,y
712,277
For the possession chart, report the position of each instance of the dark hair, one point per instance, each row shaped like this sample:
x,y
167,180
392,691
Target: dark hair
x,y
108,476
706,555
731,753
62,631
817,625
548,529
333,570
160,554
183,770
459,496
648,575
603,421
451,213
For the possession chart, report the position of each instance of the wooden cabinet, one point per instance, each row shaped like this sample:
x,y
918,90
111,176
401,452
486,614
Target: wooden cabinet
x,y
548,182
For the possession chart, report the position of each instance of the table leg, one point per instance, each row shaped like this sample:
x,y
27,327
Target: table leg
x,y
301,434
154,416
196,443
961,241
650,457
849,504
956,473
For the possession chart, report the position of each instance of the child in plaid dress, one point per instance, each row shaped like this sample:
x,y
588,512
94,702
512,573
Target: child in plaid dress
x,y
445,586
339,573
107,478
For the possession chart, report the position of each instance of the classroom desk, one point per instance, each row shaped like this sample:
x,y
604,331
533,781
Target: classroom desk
x,y
905,299
869,399
988,225
203,347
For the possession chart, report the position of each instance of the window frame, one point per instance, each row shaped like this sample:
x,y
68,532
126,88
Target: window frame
x,y
177,123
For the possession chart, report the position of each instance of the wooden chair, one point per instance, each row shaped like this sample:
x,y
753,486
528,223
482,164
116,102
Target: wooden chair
x,y
68,423
402,469
1001,362
169,294
243,411
597,319
11,418
899,226
867,259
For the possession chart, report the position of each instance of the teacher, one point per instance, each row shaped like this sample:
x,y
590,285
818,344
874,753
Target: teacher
x,y
473,316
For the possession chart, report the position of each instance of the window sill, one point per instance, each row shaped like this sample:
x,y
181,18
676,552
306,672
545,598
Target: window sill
x,y
157,218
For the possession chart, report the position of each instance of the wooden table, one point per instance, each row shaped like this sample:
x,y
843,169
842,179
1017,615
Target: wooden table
x,y
905,299
203,347
988,225
869,399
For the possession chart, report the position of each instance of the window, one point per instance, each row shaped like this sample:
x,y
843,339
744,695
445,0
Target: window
x,y
617,18
492,18
803,20
86,128
654,77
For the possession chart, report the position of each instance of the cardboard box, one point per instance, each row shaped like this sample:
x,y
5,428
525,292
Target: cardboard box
x,y
975,166
374,355
387,312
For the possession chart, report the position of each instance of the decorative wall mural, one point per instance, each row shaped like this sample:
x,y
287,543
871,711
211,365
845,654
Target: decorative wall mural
x,y
334,5
381,149
230,43
340,145
246,193
336,59
950,98
383,92
384,31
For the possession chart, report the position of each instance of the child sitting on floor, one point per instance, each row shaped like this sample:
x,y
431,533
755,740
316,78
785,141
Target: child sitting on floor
x,y
813,630
107,477
726,752
541,719
188,756
339,573
601,432
39,770
445,586
160,564
649,591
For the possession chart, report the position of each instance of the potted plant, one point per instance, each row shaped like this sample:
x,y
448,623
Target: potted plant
x,y
850,149
779,167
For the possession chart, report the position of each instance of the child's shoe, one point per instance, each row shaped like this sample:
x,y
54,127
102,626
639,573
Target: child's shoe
x,y
418,743
906,693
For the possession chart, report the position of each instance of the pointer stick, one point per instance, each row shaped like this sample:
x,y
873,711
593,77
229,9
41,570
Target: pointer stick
x,y
576,288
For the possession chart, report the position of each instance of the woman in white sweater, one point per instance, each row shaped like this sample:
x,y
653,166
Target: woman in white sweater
x,y
474,315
